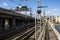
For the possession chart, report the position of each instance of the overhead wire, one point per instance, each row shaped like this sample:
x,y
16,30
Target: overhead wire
x,y
14,2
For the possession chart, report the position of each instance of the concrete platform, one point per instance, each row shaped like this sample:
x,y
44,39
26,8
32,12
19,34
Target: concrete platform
x,y
50,35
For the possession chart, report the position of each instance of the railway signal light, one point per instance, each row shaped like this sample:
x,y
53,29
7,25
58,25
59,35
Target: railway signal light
x,y
39,11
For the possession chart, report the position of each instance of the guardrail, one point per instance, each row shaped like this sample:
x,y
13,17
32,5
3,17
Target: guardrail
x,y
55,31
41,34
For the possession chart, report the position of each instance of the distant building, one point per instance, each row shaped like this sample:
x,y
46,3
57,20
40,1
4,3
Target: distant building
x,y
57,19
52,19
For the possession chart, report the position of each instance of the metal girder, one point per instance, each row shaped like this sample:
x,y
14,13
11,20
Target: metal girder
x,y
42,6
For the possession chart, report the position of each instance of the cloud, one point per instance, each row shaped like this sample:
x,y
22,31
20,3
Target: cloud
x,y
3,4
48,11
54,11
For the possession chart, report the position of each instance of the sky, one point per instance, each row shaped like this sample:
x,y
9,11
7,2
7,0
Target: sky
x,y
52,9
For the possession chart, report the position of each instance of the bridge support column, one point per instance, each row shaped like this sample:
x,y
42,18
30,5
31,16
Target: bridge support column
x,y
6,24
23,24
19,23
14,23
28,24
0,24
28,21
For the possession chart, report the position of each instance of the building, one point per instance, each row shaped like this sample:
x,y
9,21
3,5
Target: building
x,y
57,19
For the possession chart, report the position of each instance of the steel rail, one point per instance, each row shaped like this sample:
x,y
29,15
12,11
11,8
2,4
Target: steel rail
x,y
25,35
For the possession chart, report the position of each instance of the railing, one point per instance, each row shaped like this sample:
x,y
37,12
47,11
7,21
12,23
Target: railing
x,y
10,12
55,31
42,34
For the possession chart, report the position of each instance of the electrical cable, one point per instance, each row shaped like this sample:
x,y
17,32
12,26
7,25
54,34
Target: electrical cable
x,y
14,2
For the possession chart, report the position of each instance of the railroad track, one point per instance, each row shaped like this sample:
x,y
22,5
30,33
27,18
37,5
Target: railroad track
x,y
10,34
26,35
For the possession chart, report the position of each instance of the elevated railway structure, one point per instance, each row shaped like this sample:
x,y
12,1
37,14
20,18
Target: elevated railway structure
x,y
13,23
10,19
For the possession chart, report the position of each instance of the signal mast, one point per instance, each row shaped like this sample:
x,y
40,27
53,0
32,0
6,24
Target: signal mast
x,y
38,18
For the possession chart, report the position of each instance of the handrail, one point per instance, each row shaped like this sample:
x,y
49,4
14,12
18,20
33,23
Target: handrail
x,y
40,36
55,31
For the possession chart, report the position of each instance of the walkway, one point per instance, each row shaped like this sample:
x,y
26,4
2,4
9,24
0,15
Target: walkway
x,y
50,35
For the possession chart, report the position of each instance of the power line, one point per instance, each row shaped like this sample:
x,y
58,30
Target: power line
x,y
18,3
14,2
